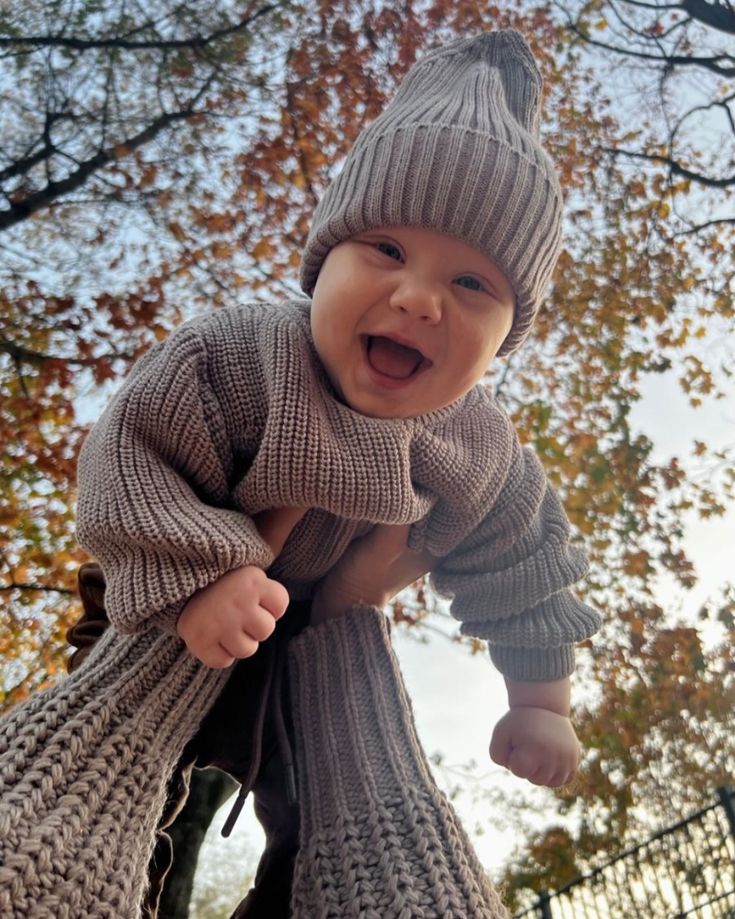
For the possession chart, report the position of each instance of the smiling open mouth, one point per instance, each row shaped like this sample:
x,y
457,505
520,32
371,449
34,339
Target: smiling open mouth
x,y
392,359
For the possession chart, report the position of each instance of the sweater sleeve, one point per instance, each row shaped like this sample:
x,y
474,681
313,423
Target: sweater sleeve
x,y
153,482
509,581
377,838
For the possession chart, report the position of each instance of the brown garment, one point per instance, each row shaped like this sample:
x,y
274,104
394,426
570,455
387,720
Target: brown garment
x,y
239,736
376,838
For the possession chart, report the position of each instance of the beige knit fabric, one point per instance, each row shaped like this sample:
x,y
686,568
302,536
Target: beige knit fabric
x,y
83,773
84,767
457,150
232,415
378,840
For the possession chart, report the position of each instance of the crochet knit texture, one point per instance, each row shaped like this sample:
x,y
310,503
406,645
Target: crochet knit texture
x,y
83,773
378,839
84,767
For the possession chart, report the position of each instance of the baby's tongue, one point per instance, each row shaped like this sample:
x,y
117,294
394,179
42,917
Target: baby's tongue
x,y
392,359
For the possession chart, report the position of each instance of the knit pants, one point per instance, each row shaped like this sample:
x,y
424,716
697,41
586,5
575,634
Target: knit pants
x,y
238,736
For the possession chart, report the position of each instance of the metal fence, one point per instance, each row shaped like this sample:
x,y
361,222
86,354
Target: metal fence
x,y
687,870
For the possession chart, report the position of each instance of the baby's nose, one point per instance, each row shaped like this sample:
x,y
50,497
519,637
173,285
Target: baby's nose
x,y
422,300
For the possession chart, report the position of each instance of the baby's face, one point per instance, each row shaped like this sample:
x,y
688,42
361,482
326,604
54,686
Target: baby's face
x,y
407,320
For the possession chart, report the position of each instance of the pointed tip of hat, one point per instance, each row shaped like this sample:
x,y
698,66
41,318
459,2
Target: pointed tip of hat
x,y
499,45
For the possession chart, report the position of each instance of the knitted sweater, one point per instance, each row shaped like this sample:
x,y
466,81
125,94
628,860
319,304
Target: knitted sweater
x,y
233,415
84,767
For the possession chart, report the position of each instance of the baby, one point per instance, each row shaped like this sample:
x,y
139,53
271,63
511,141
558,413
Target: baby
x,y
305,425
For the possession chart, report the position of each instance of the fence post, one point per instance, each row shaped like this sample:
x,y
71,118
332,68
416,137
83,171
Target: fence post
x,y
725,796
544,905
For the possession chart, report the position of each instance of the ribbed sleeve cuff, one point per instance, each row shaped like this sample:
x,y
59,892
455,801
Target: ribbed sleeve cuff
x,y
533,664
538,644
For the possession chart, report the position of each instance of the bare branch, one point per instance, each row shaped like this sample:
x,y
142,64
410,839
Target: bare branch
x,y
675,167
37,587
21,210
704,226
668,60
717,15
21,355
657,7
21,166
85,44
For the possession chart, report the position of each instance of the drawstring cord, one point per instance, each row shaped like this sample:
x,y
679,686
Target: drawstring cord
x,y
272,689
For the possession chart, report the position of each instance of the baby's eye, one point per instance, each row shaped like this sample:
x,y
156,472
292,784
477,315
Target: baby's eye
x,y
470,283
389,249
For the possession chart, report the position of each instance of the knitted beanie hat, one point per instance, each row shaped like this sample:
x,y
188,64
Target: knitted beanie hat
x,y
457,150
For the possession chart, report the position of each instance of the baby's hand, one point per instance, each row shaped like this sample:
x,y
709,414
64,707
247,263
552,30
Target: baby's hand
x,y
538,745
228,619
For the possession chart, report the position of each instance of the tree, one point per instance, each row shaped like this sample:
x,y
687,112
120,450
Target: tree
x,y
213,209
113,119
678,58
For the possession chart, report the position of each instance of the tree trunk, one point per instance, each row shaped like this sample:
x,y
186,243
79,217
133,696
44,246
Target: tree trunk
x,y
209,789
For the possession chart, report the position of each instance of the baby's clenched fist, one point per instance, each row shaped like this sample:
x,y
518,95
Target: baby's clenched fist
x,y
228,619
538,745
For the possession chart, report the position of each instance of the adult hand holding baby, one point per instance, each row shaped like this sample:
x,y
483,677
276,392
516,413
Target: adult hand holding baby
x,y
371,572
227,620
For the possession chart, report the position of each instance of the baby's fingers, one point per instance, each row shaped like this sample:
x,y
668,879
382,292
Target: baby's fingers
x,y
500,746
274,599
524,762
567,769
554,770
239,646
212,655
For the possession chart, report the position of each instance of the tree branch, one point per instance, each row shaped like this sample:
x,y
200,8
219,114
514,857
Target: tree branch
x,y
22,355
21,166
675,167
21,210
41,587
708,63
704,226
653,6
85,44
712,14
